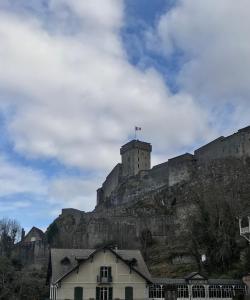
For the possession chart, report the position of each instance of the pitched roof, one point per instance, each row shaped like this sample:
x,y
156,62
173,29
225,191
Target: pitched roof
x,y
195,275
77,256
34,232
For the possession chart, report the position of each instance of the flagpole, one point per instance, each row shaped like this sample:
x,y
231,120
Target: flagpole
x,y
135,133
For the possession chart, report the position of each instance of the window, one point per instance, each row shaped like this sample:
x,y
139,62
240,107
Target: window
x,y
227,291
198,291
156,291
182,291
105,272
104,293
214,291
78,293
239,290
128,293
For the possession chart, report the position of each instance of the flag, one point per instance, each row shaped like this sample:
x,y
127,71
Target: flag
x,y
137,128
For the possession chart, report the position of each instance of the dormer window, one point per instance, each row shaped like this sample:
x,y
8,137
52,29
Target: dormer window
x,y
105,275
104,271
65,261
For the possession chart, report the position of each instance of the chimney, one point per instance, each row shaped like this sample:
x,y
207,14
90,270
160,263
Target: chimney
x,y
22,234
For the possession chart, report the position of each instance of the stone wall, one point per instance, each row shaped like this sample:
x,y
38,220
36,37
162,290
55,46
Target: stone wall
x,y
180,168
236,145
118,189
33,255
110,184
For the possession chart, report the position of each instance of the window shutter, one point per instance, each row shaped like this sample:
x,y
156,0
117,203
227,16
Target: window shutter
x,y
109,272
128,293
110,293
78,293
97,296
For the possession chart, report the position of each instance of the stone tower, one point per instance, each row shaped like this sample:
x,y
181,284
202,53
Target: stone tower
x,y
135,157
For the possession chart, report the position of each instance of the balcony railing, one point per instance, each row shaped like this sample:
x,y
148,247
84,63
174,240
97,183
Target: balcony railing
x,y
104,280
244,230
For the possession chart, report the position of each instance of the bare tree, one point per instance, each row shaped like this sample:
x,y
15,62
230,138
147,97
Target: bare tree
x,y
10,233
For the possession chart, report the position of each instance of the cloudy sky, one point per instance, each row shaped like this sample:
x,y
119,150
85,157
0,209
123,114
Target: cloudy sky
x,y
76,76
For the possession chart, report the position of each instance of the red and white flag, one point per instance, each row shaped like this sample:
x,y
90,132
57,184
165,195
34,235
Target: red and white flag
x,y
137,128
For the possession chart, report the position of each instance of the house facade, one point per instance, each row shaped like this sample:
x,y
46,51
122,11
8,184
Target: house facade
x,y
107,274
104,274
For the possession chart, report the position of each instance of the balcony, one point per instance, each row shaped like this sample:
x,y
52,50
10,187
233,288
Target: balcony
x,y
244,230
104,280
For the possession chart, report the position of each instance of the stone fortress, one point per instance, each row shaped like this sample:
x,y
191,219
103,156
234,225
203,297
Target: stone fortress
x,y
139,207
134,176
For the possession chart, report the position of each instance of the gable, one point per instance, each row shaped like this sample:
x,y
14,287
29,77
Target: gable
x,y
35,234
196,277
79,259
116,271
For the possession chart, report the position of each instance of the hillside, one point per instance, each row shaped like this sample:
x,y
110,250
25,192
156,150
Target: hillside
x,y
172,225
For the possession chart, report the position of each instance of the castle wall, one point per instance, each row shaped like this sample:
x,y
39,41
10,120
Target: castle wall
x,y
236,145
132,178
159,174
180,168
111,181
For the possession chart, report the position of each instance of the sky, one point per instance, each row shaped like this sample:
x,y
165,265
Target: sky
x,y
76,76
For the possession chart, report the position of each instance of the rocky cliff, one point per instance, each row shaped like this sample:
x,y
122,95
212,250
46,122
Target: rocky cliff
x,y
173,225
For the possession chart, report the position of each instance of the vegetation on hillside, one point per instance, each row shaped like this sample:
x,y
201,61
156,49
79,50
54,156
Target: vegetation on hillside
x,y
16,281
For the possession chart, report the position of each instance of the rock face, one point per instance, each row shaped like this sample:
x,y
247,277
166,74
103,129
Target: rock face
x,y
155,209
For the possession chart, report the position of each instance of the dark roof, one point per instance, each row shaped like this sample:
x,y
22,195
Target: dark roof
x,y
79,256
34,231
219,281
195,275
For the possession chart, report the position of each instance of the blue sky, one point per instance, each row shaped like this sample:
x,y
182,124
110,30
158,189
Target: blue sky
x,y
77,76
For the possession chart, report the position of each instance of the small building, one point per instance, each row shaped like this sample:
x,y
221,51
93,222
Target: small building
x,y
106,274
197,287
102,274
33,249
34,235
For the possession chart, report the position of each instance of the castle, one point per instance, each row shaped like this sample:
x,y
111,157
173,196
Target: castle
x,y
119,186
139,207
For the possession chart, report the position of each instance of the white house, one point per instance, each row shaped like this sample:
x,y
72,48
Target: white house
x,y
107,274
103,274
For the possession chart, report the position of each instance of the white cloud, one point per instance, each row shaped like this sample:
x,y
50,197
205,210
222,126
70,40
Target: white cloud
x,y
80,96
214,38
14,205
18,182
16,179
74,192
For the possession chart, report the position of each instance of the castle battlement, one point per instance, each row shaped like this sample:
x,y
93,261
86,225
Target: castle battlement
x,y
134,175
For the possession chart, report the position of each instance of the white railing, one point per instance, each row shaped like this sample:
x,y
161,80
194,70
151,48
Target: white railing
x,y
244,230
